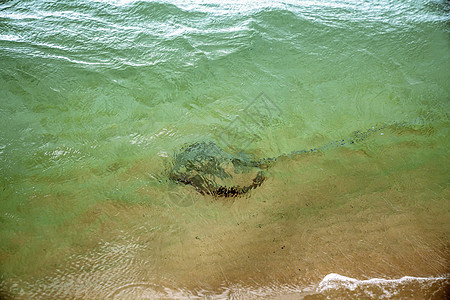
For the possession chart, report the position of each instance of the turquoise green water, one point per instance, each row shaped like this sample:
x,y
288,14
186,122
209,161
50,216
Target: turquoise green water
x,y
97,96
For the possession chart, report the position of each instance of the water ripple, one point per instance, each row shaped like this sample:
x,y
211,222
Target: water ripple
x,y
107,32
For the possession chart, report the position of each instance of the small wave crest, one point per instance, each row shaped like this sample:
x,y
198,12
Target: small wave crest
x,y
338,286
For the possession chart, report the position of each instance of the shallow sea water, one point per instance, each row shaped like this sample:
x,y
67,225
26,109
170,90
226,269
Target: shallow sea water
x,y
97,97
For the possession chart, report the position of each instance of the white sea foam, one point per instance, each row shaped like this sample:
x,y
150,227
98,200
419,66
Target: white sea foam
x,y
380,288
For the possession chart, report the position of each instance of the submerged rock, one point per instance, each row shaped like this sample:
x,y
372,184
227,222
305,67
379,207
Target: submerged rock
x,y
211,170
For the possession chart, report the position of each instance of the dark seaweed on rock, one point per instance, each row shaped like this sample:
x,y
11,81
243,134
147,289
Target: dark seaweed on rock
x,y
209,169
